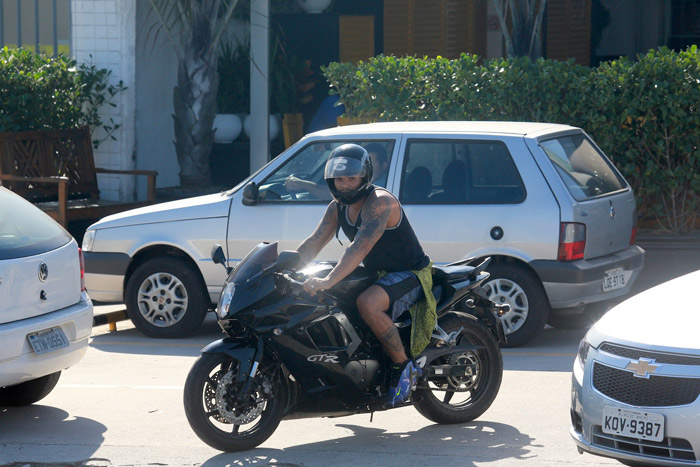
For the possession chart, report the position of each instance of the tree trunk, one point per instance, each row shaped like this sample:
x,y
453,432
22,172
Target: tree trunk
x,y
194,100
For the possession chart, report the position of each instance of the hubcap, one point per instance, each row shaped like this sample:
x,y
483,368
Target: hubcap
x,y
506,291
162,299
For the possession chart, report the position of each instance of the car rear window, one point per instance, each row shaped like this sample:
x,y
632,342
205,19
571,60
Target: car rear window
x,y
25,230
586,172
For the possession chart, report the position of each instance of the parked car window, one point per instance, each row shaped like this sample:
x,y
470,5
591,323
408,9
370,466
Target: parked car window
x,y
300,179
460,172
584,170
26,230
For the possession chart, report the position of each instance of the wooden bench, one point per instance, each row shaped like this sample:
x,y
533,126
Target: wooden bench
x,y
55,170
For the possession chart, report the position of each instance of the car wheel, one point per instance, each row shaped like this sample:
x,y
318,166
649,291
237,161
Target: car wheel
x,y
165,298
529,308
28,392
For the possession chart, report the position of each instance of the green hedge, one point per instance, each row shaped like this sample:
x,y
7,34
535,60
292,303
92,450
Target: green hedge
x,y
644,113
39,92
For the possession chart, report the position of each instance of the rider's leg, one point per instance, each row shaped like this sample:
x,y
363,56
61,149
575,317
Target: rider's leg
x,y
373,304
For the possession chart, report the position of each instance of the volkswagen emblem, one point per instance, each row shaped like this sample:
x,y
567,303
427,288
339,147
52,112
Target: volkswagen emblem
x,y
43,272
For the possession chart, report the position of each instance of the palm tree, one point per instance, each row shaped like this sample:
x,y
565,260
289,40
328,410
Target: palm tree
x,y
524,38
195,29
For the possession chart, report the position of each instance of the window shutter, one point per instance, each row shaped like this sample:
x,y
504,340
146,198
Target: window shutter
x,y
356,38
569,30
435,27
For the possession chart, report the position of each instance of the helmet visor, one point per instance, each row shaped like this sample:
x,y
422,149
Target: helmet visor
x,y
344,167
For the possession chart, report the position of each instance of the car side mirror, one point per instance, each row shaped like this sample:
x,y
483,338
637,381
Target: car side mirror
x,y
250,194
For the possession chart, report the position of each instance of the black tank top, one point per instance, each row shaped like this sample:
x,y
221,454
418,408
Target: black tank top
x,y
397,249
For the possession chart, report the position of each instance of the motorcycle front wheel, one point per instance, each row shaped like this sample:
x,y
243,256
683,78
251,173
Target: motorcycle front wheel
x,y
462,399
217,413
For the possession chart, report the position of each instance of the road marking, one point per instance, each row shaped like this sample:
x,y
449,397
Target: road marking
x,y
121,386
539,354
95,342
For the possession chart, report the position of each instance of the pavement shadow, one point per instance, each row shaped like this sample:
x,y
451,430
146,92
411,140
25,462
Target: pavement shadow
x,y
463,445
71,440
132,341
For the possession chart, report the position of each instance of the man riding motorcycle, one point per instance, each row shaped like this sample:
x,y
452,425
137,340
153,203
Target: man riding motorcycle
x,y
384,241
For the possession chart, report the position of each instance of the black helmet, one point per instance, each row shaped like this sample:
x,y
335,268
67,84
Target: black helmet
x,y
349,160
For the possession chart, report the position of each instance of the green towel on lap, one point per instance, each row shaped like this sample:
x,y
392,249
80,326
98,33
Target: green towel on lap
x,y
423,312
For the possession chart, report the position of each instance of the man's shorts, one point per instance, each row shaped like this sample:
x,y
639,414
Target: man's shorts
x,y
404,289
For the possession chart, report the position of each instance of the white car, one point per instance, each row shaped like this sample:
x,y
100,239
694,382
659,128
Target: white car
x,y
636,379
553,213
45,312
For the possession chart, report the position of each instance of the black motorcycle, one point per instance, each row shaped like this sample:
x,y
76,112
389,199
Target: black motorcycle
x,y
292,355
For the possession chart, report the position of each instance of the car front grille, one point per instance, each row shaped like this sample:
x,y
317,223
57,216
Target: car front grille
x,y
658,357
655,391
669,448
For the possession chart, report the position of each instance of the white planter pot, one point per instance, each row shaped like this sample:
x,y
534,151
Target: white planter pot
x,y
314,6
228,127
274,126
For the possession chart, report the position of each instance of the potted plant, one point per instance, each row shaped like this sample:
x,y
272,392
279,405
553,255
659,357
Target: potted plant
x,y
291,85
232,98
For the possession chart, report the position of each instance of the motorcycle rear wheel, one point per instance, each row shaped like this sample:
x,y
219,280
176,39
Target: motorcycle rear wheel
x,y
475,392
218,418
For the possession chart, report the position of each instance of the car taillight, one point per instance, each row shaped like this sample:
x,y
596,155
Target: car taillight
x,y
82,270
633,237
572,241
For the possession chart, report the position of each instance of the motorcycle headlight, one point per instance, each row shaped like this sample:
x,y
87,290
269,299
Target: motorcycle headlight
x,y
225,300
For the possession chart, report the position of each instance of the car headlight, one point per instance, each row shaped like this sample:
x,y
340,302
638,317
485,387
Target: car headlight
x,y
88,240
225,300
583,347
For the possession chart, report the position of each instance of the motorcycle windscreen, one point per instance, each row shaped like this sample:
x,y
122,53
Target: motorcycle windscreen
x,y
250,286
251,267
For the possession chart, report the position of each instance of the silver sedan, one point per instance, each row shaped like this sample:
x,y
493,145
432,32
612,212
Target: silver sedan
x,y
636,379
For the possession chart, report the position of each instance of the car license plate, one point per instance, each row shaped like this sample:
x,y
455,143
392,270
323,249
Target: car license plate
x,y
633,423
614,279
48,340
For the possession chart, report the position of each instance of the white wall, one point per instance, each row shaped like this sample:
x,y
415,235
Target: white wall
x,y
156,75
103,33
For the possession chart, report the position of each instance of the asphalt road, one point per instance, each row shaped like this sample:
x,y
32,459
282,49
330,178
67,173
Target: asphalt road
x,y
122,406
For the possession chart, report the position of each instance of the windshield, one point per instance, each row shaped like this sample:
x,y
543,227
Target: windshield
x,y
262,256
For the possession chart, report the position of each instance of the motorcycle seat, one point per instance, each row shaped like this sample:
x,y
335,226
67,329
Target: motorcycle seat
x,y
452,273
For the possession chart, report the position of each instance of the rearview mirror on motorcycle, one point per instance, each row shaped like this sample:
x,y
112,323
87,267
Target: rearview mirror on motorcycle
x,y
218,257
288,259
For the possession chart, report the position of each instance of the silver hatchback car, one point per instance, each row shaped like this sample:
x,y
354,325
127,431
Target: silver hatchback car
x,y
45,313
540,199
636,381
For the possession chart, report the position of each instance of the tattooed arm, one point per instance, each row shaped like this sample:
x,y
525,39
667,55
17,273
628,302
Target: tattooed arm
x,y
375,216
324,232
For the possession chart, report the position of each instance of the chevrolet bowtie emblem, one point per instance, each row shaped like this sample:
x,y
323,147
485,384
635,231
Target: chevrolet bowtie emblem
x,y
642,368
